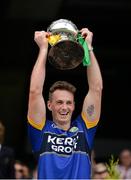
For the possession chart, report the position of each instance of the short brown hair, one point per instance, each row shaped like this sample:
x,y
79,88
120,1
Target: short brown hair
x,y
62,85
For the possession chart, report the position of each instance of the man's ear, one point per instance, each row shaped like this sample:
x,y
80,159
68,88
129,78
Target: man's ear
x,y
49,105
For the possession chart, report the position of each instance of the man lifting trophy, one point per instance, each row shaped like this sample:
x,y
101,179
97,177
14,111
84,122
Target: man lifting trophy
x,y
63,144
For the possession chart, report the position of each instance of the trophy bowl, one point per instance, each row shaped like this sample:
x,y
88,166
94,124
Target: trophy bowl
x,y
65,52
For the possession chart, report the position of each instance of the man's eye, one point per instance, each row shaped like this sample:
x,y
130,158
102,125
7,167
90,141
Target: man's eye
x,y
59,102
69,102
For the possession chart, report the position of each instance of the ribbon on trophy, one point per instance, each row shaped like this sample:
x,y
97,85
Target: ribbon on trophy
x,y
53,39
86,60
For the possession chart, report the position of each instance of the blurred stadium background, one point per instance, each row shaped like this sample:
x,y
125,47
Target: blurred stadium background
x,y
110,21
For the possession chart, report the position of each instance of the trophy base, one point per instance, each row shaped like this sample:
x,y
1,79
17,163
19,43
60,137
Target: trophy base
x,y
66,55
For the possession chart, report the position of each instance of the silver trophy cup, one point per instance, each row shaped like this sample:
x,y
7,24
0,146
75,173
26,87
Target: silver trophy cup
x,y
65,52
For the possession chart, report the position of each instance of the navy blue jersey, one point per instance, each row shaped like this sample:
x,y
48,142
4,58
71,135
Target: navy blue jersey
x,y
63,154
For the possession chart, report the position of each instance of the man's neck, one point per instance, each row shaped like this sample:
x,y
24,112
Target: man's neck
x,y
63,125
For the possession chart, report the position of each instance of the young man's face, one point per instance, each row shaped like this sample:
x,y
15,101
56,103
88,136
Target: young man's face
x,y
61,105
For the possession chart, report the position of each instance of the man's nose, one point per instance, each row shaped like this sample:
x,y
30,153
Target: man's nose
x,y
64,106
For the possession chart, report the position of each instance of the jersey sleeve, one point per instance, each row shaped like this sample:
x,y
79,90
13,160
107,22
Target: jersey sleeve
x,y
89,132
36,136
35,125
89,124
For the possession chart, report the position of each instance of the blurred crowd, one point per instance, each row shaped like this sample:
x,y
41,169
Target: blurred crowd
x,y
22,171
119,168
11,168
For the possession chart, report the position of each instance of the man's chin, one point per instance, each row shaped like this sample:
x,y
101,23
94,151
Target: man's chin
x,y
64,119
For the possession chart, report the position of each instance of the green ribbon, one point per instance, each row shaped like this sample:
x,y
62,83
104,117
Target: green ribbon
x,y
86,60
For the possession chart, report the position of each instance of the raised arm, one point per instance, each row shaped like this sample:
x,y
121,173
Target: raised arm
x,y
36,106
92,102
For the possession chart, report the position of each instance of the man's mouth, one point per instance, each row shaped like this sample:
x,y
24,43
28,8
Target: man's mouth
x,y
64,113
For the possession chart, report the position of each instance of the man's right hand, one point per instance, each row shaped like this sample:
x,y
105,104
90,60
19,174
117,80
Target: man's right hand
x,y
41,38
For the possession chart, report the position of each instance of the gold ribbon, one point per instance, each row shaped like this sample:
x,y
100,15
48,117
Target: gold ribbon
x,y
53,39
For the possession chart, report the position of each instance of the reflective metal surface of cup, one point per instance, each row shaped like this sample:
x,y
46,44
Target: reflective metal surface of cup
x,y
65,52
